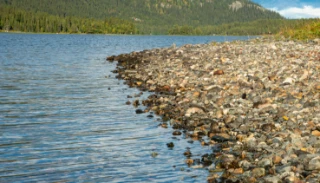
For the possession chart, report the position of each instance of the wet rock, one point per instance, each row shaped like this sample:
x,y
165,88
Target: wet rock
x,y
218,138
170,145
150,116
189,161
187,153
154,154
136,103
139,111
176,133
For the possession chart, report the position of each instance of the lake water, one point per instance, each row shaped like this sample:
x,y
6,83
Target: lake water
x,y
63,116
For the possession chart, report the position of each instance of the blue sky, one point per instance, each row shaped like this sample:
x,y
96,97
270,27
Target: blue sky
x,y
293,8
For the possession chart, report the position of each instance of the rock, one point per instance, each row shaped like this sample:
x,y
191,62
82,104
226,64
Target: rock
x,y
238,171
196,94
276,159
136,103
316,133
139,111
150,116
138,83
265,162
176,133
218,138
170,145
267,127
277,140
288,81
218,72
261,118
309,104
189,161
245,164
227,160
213,178
154,154
251,143
187,153
193,110
258,172
314,164
272,179
285,118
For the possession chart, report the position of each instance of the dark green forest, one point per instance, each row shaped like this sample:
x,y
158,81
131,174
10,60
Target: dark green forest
x,y
176,17
12,19
148,16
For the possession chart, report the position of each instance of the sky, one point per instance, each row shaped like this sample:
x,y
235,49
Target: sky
x,y
293,8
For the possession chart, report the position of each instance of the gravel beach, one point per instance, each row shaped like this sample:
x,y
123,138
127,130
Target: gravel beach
x,y
255,103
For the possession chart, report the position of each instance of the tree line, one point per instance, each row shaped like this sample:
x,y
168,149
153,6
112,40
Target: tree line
x,y
287,27
13,19
151,16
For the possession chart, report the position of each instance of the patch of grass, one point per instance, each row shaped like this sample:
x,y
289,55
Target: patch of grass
x,y
306,30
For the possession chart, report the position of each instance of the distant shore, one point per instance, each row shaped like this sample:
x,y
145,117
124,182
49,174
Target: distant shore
x,y
256,103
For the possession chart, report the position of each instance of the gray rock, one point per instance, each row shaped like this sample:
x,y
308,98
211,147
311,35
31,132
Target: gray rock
x,y
264,163
258,172
272,179
245,164
314,164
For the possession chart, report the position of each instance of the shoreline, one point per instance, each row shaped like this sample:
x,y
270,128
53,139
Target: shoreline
x,y
256,103
65,33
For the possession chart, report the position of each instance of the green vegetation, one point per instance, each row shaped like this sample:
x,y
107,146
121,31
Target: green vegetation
x,y
305,29
151,16
12,19
175,17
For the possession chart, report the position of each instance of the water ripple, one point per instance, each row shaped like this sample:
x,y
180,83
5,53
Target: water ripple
x,y
62,120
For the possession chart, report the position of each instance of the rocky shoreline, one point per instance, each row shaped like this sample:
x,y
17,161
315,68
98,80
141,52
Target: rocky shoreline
x,y
256,103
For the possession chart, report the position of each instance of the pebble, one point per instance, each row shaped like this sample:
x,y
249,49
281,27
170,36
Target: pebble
x,y
154,154
314,164
258,172
316,133
170,145
259,106
139,111
176,133
276,159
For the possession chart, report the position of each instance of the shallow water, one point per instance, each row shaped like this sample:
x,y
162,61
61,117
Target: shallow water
x,y
63,115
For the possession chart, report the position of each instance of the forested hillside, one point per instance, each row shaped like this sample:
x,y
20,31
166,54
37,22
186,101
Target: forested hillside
x,y
12,19
152,16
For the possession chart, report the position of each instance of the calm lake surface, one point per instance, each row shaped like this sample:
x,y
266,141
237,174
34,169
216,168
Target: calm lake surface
x,y
63,116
